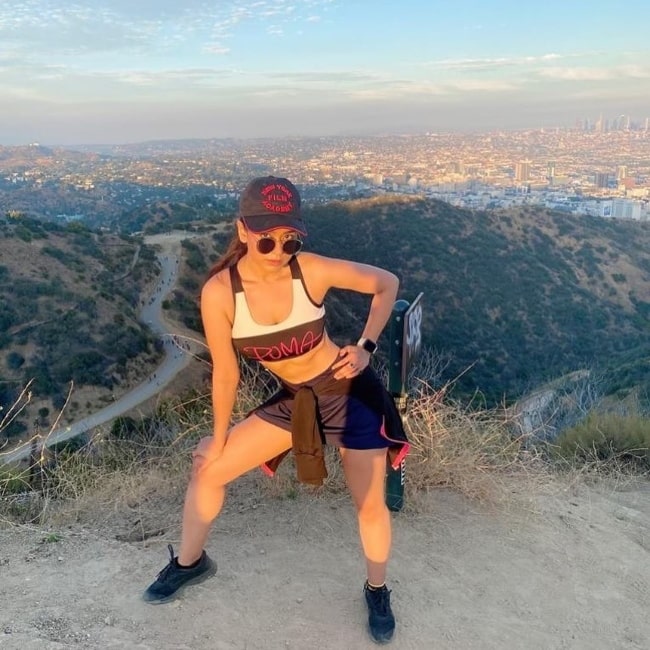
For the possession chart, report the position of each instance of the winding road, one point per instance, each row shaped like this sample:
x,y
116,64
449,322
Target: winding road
x,y
176,357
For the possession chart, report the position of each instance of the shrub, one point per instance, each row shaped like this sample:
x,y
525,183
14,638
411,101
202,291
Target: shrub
x,y
15,360
460,447
13,480
608,437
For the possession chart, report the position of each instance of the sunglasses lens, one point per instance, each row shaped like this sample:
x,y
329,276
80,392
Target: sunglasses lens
x,y
265,245
291,246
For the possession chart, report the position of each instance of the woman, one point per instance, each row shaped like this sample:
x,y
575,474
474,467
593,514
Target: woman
x,y
266,303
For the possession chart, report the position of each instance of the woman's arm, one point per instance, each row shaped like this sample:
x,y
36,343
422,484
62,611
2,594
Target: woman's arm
x,y
217,325
329,273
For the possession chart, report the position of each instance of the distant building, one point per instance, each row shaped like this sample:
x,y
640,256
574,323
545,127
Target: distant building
x,y
626,209
550,172
602,209
601,180
627,183
522,171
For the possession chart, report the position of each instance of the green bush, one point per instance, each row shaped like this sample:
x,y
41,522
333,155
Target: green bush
x,y
13,481
15,360
608,437
14,428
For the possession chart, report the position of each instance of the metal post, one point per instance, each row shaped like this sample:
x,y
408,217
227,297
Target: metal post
x,y
398,390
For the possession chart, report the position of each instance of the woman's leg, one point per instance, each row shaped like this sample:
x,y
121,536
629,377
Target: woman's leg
x,y
365,474
249,444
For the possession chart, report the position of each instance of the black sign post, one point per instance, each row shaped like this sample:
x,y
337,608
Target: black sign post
x,y
405,345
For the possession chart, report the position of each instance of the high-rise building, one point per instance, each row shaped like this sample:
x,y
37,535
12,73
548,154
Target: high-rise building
x,y
522,171
621,172
601,180
623,123
550,171
598,127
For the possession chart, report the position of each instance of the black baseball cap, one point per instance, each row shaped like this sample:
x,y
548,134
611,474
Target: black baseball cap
x,y
270,202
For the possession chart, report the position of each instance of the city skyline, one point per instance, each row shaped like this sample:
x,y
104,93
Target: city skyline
x,y
116,72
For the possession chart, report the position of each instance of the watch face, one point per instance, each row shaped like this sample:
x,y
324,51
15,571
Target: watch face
x,y
369,346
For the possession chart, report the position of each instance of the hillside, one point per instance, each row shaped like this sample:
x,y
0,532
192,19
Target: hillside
x,y
520,296
68,302
514,298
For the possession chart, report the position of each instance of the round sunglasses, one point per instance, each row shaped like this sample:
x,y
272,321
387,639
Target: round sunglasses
x,y
290,246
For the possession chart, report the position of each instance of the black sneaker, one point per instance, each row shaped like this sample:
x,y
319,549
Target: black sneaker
x,y
381,621
172,578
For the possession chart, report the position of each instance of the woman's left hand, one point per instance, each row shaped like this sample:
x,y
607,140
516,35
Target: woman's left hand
x,y
352,361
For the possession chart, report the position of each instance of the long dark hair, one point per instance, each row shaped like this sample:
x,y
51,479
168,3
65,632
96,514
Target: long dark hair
x,y
235,251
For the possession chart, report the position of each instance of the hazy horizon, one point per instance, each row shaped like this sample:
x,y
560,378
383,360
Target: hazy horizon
x,y
367,130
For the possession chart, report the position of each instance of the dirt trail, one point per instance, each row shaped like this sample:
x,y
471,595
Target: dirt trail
x,y
564,570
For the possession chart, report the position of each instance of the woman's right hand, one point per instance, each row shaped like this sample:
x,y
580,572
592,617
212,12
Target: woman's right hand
x,y
208,450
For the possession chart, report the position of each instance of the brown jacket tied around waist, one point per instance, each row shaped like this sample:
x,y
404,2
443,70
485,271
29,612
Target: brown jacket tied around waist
x,y
307,437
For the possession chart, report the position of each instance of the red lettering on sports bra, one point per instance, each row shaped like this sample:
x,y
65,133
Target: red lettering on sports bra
x,y
294,348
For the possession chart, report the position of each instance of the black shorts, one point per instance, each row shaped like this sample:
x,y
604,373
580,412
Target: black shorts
x,y
346,421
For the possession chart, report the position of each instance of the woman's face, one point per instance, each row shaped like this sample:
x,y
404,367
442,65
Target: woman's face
x,y
274,247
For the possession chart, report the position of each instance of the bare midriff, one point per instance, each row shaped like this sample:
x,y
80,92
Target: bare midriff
x,y
303,368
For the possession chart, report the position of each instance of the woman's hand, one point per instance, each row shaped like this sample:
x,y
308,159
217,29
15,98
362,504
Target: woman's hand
x,y
208,450
353,360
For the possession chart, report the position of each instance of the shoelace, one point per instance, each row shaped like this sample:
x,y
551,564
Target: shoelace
x,y
163,574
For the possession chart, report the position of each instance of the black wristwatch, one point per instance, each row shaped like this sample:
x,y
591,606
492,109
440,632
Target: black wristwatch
x,y
368,345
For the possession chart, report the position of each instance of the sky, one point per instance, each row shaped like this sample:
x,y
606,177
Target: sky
x,y
112,72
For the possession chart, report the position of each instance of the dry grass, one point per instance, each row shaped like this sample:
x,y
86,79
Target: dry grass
x,y
140,483
471,451
137,484
103,477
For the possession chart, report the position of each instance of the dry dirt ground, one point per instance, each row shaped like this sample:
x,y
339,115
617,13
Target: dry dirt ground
x,y
566,567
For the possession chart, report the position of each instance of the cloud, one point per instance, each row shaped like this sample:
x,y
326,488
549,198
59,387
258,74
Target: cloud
x,y
597,73
33,25
334,77
216,49
486,64
541,75
41,28
413,90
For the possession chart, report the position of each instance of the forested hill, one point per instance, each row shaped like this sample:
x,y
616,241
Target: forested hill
x,y
518,296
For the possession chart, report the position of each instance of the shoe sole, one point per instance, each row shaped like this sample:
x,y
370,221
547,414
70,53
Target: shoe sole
x,y
380,640
194,581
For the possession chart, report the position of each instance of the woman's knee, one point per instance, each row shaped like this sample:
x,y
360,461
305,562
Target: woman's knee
x,y
372,510
206,471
